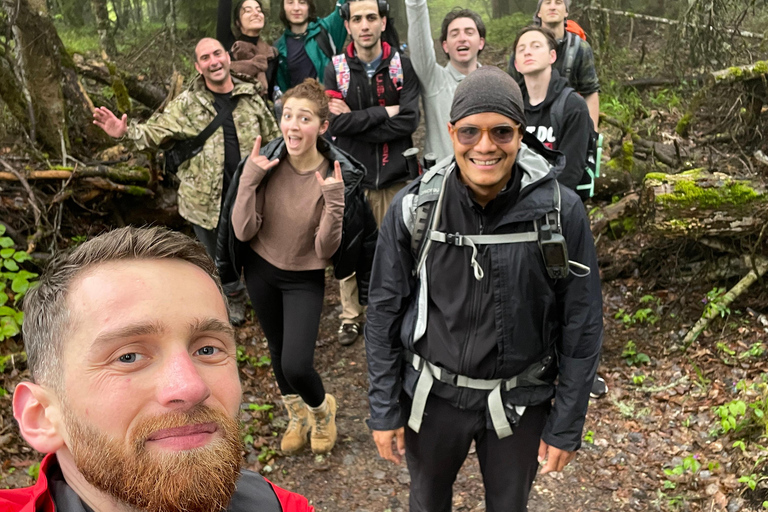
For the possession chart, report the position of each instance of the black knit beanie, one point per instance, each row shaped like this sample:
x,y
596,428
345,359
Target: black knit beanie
x,y
488,89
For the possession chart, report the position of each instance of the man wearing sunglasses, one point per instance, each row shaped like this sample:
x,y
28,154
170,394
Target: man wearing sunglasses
x,y
470,337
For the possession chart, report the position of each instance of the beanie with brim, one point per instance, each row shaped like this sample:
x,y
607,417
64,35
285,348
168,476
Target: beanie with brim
x,y
488,89
537,19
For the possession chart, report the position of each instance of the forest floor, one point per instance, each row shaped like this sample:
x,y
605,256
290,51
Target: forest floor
x,y
658,416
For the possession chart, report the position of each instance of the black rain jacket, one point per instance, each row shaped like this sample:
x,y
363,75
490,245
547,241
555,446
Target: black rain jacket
x,y
358,239
498,326
368,132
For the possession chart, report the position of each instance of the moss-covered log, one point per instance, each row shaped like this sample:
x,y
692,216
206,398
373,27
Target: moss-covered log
x,y
120,173
698,203
740,73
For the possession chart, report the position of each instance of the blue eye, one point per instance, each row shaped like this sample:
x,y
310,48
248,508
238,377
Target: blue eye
x,y
207,351
128,358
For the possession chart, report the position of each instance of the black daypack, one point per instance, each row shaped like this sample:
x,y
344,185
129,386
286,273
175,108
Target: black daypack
x,y
183,150
586,186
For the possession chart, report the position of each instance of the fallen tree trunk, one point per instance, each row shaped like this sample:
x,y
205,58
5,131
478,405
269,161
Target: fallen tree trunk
x,y
118,173
666,21
138,89
626,206
698,203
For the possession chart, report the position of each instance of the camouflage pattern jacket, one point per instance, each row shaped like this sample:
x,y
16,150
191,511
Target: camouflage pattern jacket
x,y
202,176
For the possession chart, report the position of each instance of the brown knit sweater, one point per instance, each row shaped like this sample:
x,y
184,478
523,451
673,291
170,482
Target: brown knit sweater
x,y
290,221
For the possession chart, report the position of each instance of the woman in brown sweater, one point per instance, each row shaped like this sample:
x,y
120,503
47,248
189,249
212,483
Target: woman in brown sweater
x,y
290,211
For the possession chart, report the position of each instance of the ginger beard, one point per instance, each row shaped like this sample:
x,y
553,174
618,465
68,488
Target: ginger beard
x,y
198,480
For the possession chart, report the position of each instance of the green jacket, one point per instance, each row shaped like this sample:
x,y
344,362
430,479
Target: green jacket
x,y
202,176
333,25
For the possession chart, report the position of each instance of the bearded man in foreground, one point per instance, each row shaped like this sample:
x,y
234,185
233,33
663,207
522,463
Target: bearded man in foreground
x,y
135,387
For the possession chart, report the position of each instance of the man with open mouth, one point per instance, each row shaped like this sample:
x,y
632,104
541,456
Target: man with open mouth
x,y
462,37
134,390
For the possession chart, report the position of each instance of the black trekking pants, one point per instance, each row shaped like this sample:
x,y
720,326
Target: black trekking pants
x,y
288,305
437,452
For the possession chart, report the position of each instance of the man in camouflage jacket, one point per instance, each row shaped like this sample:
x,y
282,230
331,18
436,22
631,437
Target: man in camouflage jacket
x,y
204,177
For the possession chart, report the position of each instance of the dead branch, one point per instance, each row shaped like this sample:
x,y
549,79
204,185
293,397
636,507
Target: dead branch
x,y
106,184
140,90
760,266
119,174
36,209
667,21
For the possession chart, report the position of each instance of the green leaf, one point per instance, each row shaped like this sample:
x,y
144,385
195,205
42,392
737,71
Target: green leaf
x,y
2,229
20,285
758,412
10,329
26,274
11,265
7,311
6,241
7,253
3,298
21,256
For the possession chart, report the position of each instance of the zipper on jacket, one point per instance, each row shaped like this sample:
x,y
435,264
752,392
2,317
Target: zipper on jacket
x,y
378,157
474,307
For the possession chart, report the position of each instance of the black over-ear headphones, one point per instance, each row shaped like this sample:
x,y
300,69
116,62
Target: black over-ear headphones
x,y
383,9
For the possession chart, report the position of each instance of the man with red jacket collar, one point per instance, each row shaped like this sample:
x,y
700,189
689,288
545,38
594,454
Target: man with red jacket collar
x,y
135,389
375,105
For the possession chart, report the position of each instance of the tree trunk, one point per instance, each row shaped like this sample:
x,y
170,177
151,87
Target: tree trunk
x,y
500,8
106,40
697,203
61,110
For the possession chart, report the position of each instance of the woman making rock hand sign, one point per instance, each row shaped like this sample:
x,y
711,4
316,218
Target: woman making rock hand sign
x,y
289,208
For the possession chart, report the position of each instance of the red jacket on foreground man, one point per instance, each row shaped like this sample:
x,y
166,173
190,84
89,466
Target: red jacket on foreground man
x,y
254,492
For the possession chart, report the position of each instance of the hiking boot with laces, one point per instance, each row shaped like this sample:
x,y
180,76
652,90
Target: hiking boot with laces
x,y
599,387
322,419
349,333
236,306
295,436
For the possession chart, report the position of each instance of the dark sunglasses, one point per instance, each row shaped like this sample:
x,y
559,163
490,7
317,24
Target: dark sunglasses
x,y
470,135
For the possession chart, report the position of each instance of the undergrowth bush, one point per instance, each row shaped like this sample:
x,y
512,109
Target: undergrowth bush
x,y
14,283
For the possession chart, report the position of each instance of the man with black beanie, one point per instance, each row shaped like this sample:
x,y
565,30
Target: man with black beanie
x,y
485,304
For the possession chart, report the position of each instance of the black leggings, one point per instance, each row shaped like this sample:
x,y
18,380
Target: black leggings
x,y
288,305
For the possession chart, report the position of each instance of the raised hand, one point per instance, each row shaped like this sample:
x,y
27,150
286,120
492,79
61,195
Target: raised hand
x,y
330,180
260,160
107,121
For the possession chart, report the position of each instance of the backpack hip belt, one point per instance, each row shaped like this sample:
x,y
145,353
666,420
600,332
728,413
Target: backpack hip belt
x,y
430,372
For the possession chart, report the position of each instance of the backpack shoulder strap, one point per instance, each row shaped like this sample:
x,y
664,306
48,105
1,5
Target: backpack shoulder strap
x,y
431,188
341,67
557,111
396,70
572,45
325,42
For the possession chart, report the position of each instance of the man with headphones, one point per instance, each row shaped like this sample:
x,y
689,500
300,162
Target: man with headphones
x,y
375,110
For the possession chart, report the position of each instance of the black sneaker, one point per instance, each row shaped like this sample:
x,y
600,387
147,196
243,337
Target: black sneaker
x,y
349,333
236,305
599,388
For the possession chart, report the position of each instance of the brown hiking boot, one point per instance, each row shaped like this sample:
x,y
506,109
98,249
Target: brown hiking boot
x,y
295,436
323,422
